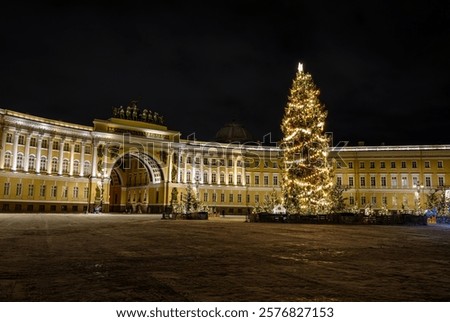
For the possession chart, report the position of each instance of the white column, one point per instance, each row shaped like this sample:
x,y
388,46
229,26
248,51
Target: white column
x,y
2,150
49,155
169,165
179,167
38,154
61,157
94,159
72,157
83,144
27,153
201,169
185,168
234,170
14,153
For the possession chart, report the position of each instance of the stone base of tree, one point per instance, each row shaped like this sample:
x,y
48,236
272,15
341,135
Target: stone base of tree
x,y
341,218
201,215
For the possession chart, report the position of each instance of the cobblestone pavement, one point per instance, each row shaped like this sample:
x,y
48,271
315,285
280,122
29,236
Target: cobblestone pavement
x,y
60,257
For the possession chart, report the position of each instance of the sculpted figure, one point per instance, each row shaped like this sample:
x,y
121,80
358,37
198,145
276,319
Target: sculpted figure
x,y
121,112
129,112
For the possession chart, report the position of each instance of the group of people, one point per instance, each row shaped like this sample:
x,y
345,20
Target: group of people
x,y
132,112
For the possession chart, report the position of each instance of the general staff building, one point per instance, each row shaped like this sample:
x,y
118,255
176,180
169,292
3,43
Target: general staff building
x,y
132,162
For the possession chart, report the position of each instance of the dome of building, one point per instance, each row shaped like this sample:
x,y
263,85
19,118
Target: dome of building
x,y
233,132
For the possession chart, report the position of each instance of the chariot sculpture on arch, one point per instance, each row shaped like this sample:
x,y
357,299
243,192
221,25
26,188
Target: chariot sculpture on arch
x,y
133,112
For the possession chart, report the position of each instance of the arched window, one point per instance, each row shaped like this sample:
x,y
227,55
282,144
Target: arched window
x,y
43,165
188,176
76,167
8,160
54,164
205,177
65,166
31,162
19,162
87,168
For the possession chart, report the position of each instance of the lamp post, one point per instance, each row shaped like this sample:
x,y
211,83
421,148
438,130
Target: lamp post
x,y
89,193
419,188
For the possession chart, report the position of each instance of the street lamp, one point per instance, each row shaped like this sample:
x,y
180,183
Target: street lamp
x,y
89,193
419,188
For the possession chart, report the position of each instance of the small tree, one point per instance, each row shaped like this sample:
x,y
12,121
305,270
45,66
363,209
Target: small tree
x,y
337,199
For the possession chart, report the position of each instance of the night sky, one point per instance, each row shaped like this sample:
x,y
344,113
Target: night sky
x,y
383,68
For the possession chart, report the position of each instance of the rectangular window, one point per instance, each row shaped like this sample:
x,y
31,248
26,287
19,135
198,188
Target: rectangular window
x,y
350,164
239,198
403,164
30,190
6,188
33,142
428,181
372,181
44,144
75,192
440,164
266,180
65,193
256,180
351,181
339,181
205,197
361,165
275,180
76,148
55,145
87,149
230,197
393,165
441,181
256,198
382,164
86,192
363,200
383,182
53,191
66,146
363,181
427,164
222,197
372,165
19,189
230,162
230,178
351,200
239,179
414,164
9,138
214,177
404,182
247,179
21,140
384,200
222,178
214,197
394,182
42,190
374,200
415,181
248,199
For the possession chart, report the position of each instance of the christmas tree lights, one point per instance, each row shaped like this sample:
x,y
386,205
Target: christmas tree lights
x,y
306,179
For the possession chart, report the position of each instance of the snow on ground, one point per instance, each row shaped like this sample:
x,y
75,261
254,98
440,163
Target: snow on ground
x,y
64,257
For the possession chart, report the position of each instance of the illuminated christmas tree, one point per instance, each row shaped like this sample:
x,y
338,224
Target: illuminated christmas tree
x,y
306,181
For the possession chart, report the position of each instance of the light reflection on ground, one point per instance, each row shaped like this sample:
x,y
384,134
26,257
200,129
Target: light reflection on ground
x,y
53,257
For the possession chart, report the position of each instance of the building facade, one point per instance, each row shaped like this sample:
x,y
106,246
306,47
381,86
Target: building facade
x,y
133,163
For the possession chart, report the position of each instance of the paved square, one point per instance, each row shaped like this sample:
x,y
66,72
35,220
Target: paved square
x,y
60,257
